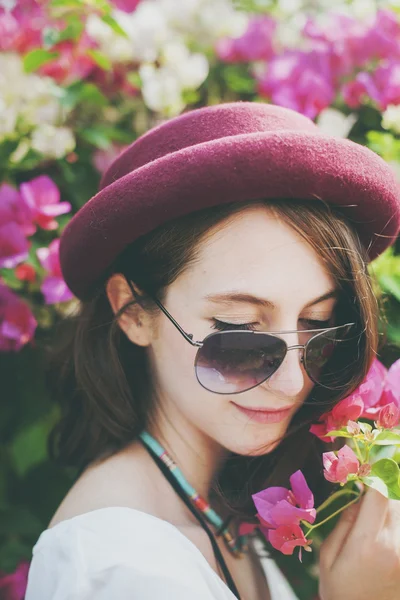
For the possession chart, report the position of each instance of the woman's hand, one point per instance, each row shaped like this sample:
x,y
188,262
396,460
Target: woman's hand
x,y
360,559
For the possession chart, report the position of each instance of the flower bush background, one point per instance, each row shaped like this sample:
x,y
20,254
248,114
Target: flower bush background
x,y
79,80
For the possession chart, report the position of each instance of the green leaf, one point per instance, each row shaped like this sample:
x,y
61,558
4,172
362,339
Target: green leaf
x,y
238,79
80,92
18,520
100,59
115,26
12,552
97,137
36,58
391,284
72,31
385,476
339,433
386,438
29,446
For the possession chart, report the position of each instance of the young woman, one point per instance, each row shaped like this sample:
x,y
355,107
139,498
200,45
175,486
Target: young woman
x,y
225,305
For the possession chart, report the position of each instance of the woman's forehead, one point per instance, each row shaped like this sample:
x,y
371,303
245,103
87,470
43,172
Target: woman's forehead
x,y
256,253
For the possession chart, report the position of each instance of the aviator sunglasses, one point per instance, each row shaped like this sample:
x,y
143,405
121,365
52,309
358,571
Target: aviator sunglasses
x,y
235,361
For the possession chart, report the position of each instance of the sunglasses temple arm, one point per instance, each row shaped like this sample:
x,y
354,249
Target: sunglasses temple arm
x,y
188,336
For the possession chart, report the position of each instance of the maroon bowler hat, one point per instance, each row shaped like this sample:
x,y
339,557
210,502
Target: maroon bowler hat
x,y
226,153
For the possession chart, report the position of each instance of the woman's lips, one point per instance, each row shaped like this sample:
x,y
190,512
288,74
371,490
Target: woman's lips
x,y
265,416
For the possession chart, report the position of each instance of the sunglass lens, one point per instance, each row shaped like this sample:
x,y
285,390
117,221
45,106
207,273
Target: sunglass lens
x,y
318,353
230,362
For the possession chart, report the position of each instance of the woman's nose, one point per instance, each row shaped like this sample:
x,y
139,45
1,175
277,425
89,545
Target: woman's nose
x,y
289,379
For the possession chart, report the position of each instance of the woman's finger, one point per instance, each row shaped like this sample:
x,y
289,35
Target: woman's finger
x,y
335,541
372,515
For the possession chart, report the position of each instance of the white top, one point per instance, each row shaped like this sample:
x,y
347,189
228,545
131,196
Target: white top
x,y
120,553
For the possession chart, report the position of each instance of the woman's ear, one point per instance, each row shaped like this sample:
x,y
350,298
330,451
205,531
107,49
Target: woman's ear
x,y
135,322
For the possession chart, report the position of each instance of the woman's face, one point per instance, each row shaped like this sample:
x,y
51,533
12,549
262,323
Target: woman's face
x,y
256,255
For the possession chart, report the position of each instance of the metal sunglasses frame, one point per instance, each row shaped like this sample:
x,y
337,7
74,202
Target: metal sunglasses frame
x,y
199,344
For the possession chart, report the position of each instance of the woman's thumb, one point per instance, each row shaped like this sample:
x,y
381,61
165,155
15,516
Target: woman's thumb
x,y
335,541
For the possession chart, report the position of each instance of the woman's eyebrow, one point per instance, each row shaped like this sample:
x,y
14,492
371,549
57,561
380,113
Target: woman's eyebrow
x,y
248,298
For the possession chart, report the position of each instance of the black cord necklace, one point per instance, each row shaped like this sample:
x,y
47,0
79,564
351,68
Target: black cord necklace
x,y
217,552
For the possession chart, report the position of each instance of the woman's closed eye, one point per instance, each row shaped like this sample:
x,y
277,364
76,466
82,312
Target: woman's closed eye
x,y
305,324
224,326
316,323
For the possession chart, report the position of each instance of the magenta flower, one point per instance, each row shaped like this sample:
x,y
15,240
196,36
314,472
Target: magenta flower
x,y
255,44
73,63
13,246
299,80
349,409
13,585
391,387
383,39
371,389
42,196
389,416
53,287
366,401
287,537
280,506
382,86
337,468
127,6
17,323
21,28
13,209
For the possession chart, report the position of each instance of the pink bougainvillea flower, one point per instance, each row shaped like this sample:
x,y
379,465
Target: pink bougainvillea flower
x,y
287,537
42,196
127,6
17,323
13,209
389,416
21,28
13,246
337,468
382,40
343,39
247,528
299,80
348,409
73,63
53,287
255,44
280,506
371,389
25,272
382,86
391,387
366,401
13,585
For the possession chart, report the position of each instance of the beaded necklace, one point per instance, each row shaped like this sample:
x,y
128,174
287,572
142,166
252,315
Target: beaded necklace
x,y
236,545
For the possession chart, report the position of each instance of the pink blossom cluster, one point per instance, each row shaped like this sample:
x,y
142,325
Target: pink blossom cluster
x,y
354,60
283,512
21,31
280,510
35,204
13,585
377,398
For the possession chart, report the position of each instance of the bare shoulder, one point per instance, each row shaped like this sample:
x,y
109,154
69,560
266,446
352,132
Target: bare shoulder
x,y
123,479
131,479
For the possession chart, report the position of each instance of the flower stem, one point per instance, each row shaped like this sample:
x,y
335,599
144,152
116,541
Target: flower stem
x,y
334,496
358,451
333,515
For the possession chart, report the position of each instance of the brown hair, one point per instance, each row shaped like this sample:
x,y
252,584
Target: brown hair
x,y
101,379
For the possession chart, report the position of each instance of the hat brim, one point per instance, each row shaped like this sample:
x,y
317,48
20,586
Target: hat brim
x,y
252,166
